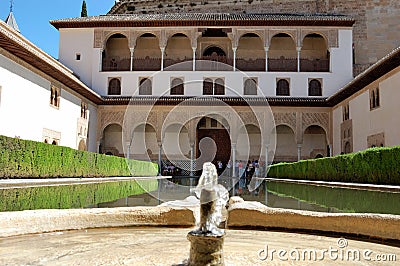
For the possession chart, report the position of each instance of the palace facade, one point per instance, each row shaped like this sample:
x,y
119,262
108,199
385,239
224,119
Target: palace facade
x,y
162,87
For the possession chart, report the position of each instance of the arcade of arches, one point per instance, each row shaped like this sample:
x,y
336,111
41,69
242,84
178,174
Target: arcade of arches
x,y
299,135
293,50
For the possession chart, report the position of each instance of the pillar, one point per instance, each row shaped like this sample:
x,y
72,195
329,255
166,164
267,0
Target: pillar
x,y
101,60
98,146
233,152
131,66
298,58
194,58
162,58
159,157
266,160
128,150
192,159
330,59
266,58
298,152
234,58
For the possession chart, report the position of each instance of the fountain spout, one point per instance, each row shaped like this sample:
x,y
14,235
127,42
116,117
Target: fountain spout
x,y
207,239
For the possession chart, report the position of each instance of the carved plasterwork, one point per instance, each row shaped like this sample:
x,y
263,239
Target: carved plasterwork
x,y
319,119
293,33
288,119
98,38
260,33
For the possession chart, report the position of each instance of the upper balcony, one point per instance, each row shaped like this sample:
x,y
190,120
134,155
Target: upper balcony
x,y
249,54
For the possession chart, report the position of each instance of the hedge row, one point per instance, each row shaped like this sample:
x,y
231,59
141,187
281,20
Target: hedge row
x,y
71,196
30,159
375,166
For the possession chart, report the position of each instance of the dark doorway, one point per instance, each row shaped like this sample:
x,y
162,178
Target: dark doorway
x,y
209,128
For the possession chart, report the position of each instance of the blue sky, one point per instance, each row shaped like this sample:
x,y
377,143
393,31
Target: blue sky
x,y
33,18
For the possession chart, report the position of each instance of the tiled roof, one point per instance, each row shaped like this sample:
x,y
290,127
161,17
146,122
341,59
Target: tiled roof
x,y
374,72
18,45
204,19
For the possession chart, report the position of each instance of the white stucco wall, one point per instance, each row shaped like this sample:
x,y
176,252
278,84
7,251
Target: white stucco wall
x,y
25,109
78,41
366,122
74,41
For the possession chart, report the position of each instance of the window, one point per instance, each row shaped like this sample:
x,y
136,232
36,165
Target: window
x,y
213,87
145,86
84,110
346,112
314,88
78,57
114,86
177,86
282,88
207,87
219,87
374,99
250,86
55,96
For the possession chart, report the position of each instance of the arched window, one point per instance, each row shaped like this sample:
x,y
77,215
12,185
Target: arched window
x,y
214,51
207,87
114,87
54,142
282,88
219,87
145,87
250,86
177,87
314,88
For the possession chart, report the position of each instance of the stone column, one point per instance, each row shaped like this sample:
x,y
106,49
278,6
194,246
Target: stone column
x,y
234,58
298,58
159,158
266,58
266,159
162,58
128,150
298,152
330,58
132,50
233,152
192,159
194,58
98,146
101,60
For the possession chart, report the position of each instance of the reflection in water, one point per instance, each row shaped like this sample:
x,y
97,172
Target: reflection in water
x,y
280,195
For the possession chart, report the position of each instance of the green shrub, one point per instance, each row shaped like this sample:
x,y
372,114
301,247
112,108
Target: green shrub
x,y
375,166
30,159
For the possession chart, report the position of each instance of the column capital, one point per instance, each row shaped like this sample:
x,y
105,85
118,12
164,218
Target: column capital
x,y
266,48
299,145
298,49
234,48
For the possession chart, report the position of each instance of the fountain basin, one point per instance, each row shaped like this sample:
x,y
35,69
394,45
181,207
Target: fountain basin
x,y
168,246
240,215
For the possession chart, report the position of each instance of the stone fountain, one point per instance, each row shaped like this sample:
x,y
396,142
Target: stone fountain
x,y
206,242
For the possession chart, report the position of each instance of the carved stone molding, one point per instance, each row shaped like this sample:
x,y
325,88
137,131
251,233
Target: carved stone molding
x,y
319,119
288,119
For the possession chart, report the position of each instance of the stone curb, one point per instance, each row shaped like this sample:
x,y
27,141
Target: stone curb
x,y
255,214
42,221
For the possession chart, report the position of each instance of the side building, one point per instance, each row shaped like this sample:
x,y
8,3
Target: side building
x,y
41,99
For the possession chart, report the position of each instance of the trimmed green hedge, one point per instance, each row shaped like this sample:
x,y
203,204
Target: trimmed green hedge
x,y
375,166
30,159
